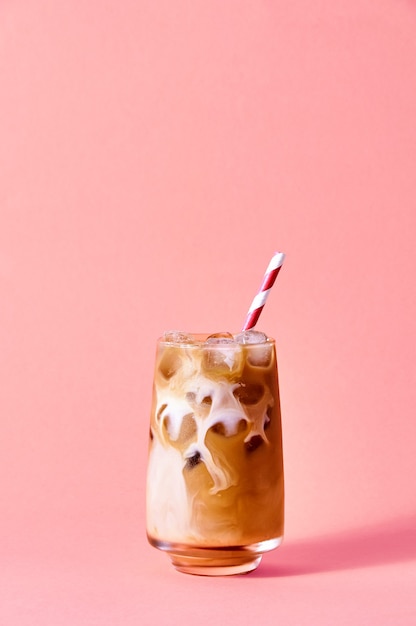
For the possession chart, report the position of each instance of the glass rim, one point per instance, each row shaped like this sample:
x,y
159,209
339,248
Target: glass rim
x,y
200,342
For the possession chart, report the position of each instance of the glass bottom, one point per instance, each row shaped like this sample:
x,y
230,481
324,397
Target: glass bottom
x,y
216,561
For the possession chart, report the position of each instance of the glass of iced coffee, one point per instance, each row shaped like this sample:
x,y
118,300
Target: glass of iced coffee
x,y
215,470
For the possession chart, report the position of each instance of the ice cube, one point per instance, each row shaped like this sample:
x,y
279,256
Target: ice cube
x,y
253,443
249,394
188,429
170,362
260,355
222,355
260,352
178,337
250,336
220,338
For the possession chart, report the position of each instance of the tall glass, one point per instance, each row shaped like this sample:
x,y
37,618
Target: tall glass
x,y
215,471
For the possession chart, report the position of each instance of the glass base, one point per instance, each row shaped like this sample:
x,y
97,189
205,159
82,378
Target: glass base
x,y
216,561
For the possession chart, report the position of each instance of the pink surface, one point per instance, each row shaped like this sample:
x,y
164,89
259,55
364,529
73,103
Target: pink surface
x,y
153,155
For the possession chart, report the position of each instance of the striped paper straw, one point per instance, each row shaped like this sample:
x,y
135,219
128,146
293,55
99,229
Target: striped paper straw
x,y
260,298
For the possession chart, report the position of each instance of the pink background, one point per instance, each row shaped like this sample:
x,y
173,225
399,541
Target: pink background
x,y
153,155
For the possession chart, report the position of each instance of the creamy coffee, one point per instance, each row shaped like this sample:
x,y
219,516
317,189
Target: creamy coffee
x,y
215,470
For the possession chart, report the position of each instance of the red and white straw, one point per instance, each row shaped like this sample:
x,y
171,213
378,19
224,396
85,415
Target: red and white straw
x,y
260,298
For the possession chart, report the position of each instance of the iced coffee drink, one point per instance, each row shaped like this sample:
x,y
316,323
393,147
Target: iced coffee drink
x,y
215,469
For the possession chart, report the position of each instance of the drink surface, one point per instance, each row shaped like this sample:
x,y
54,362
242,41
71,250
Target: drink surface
x,y
215,470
